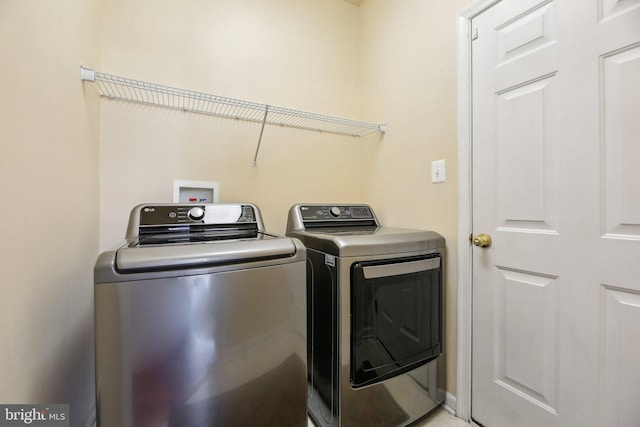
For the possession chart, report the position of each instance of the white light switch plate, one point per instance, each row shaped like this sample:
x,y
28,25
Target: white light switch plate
x,y
438,171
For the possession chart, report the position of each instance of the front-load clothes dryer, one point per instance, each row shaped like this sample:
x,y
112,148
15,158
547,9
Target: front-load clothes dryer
x,y
374,310
200,321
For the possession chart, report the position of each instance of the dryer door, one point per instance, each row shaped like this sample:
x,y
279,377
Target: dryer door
x,y
396,313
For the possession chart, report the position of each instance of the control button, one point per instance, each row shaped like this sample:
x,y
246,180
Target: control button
x,y
335,211
196,213
172,214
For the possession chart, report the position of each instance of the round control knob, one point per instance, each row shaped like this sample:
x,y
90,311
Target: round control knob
x,y
335,211
196,213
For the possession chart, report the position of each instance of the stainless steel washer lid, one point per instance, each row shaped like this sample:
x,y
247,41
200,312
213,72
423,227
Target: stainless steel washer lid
x,y
380,241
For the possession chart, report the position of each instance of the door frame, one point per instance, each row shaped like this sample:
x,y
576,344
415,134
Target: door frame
x,y
465,207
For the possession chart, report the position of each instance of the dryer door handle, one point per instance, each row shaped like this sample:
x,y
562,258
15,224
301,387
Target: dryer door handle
x,y
398,269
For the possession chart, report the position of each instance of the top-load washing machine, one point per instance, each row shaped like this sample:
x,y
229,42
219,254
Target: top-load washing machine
x,y
374,316
200,321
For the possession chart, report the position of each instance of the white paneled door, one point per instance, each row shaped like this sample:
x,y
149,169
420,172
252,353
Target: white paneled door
x,y
556,185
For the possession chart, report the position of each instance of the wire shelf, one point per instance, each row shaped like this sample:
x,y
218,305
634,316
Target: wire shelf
x,y
132,90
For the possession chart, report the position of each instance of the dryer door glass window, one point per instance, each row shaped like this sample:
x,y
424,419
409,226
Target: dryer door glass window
x,y
396,315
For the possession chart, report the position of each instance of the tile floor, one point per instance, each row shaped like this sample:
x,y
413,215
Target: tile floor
x,y
441,418
438,418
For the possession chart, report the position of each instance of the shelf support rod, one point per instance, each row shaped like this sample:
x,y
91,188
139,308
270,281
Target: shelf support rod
x,y
264,121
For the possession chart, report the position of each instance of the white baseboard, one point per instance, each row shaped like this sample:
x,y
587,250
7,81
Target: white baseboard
x,y
449,404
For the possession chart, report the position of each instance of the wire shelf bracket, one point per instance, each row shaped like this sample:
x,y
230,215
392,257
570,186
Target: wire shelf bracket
x,y
127,89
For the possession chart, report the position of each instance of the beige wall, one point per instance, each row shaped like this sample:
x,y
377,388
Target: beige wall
x,y
408,79
299,54
49,215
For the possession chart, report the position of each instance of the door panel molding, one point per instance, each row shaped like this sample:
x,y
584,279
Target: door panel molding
x,y
620,326
521,155
619,86
609,9
526,33
521,366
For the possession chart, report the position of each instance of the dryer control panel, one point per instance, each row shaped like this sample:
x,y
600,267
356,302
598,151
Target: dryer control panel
x,y
335,212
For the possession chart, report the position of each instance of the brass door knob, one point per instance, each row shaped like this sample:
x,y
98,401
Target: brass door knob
x,y
482,240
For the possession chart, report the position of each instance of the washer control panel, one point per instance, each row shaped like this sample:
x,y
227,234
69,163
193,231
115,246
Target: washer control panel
x,y
335,212
159,215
